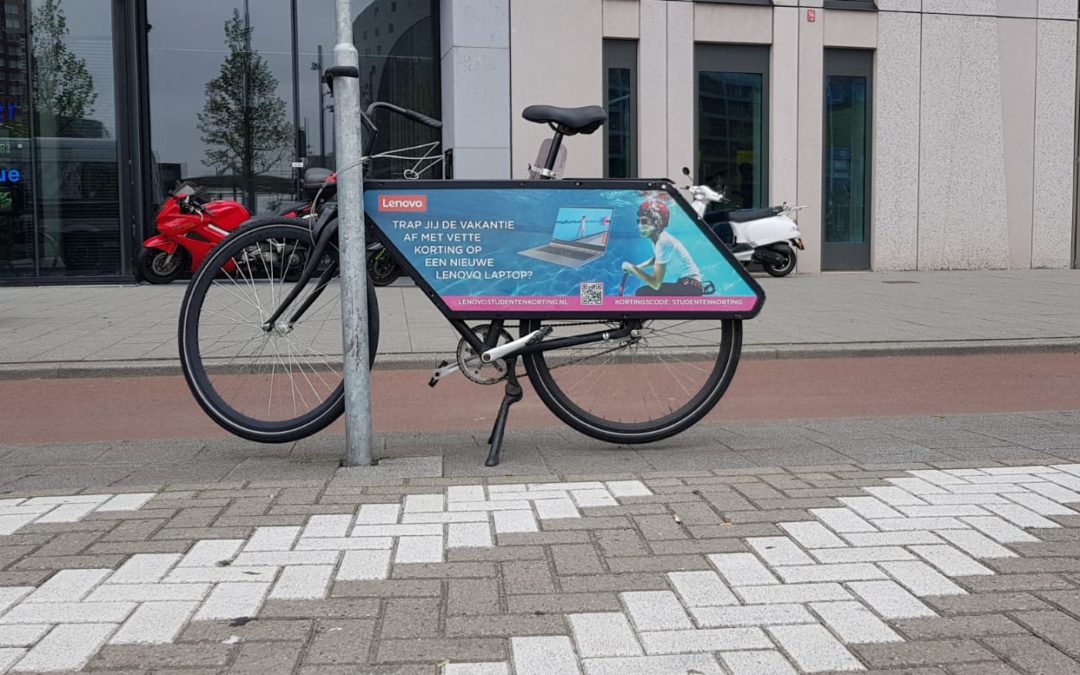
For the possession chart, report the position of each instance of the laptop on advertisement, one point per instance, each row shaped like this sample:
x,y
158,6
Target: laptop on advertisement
x,y
580,236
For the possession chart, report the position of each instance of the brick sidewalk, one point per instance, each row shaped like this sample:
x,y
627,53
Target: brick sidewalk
x,y
970,568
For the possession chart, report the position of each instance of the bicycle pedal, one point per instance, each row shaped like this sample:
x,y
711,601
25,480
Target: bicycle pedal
x,y
540,335
438,374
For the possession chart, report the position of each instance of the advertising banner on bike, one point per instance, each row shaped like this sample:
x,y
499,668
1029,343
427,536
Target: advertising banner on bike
x,y
578,249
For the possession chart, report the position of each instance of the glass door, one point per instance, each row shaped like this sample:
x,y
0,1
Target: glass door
x,y
846,176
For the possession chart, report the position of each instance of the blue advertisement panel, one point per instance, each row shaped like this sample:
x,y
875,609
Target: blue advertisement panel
x,y
516,250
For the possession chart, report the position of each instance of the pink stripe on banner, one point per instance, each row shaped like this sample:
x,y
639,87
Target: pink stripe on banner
x,y
466,303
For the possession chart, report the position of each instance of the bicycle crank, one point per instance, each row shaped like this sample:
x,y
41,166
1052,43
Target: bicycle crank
x,y
471,364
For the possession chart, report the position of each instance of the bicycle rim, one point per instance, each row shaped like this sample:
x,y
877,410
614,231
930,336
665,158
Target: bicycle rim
x,y
266,385
641,389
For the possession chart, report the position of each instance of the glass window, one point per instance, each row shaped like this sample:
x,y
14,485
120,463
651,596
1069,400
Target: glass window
x,y
732,122
73,122
19,241
620,84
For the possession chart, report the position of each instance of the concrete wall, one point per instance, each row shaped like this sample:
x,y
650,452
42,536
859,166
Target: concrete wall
x,y
973,122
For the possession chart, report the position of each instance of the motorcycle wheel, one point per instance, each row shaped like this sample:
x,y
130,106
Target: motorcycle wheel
x,y
156,267
383,270
785,268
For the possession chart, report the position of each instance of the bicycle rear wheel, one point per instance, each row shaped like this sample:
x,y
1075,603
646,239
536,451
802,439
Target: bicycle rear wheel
x,y
274,385
640,389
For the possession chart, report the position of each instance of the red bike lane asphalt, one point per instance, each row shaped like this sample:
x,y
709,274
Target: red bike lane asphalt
x,y
142,408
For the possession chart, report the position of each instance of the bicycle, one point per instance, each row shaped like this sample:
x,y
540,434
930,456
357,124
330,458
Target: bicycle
x,y
243,321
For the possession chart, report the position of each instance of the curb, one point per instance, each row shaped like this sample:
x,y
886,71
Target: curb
x,y
428,361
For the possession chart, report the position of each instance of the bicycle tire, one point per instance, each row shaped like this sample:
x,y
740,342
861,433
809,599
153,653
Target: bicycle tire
x,y
572,410
205,385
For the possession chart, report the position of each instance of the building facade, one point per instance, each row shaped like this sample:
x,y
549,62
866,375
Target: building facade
x,y
919,134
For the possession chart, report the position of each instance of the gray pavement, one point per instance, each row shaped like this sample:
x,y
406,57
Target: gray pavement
x,y
78,330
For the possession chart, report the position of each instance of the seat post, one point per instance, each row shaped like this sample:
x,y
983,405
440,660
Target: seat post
x,y
553,151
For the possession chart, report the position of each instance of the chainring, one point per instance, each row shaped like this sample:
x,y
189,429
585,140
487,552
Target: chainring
x,y
468,359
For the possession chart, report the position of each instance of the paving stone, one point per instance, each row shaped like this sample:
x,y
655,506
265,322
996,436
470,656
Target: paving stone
x,y
701,589
542,655
982,668
900,538
472,596
702,640
842,520
489,668
824,573
923,653
527,577
211,552
620,543
656,610
920,578
976,544
188,575
1032,654
752,615
364,565
419,550
704,664
959,627
659,528
300,582
1000,530
576,559
813,535
22,635
890,600
462,535
757,663
267,658
950,561
564,603
144,568
861,554
496,554
854,623
230,600
603,634
634,581
345,608
983,603
785,593
340,641
147,593
813,648
67,647
779,551
742,569
263,629
1020,516
505,625
155,623
1015,582
69,585
658,563
68,612
1057,628
410,618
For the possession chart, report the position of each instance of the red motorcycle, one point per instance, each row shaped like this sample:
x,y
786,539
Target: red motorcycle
x,y
188,229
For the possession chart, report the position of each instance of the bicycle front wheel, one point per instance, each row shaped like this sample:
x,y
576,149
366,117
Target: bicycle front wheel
x,y
274,384
639,389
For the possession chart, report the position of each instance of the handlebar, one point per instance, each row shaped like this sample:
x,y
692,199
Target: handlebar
x,y
409,114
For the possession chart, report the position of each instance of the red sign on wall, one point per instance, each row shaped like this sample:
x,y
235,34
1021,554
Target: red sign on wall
x,y
811,15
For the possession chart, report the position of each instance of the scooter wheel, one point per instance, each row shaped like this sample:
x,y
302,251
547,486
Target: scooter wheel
x,y
780,269
383,270
157,267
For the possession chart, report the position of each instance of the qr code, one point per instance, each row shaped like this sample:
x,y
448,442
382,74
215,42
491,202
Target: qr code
x,y
592,293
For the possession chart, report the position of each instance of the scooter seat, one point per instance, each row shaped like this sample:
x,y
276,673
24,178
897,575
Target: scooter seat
x,y
746,215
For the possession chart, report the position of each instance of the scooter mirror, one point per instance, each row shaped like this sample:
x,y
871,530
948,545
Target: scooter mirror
x,y
686,171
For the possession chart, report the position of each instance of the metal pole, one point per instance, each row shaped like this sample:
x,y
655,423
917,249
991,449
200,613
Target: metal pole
x,y
322,115
350,184
300,151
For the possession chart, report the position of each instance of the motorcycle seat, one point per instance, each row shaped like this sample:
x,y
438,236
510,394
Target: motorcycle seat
x,y
746,215
567,121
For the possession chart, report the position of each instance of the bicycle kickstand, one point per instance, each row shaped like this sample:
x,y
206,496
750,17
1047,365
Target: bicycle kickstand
x,y
512,396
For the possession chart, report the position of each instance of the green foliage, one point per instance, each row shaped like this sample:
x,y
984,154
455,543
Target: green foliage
x,y
63,87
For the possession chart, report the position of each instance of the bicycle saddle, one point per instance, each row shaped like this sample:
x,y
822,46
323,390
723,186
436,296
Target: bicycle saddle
x,y
567,121
316,176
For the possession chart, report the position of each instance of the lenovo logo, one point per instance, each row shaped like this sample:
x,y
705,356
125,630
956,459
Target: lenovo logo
x,y
403,203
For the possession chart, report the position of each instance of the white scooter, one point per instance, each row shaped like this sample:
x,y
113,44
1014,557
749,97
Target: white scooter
x,y
763,236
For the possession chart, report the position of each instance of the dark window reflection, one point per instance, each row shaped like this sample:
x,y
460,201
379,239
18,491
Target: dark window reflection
x,y
846,117
731,128
19,240
620,77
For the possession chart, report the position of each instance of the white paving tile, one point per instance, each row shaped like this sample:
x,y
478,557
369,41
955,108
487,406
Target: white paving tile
x,y
66,513
854,623
703,640
1000,530
869,507
916,486
22,635
864,554
152,592
898,538
921,579
232,600
1074,469
303,582
812,534
272,539
507,522
68,612
1020,515
488,668
978,499
332,526
343,543
766,662
823,573
900,524
275,558
942,511
132,501
999,488
584,485
702,589
779,551
364,566
999,470
750,615
12,523
742,569
190,575
155,623
8,657
543,656
603,634
787,593
548,509
894,495
1055,492
406,530
66,647
976,544
419,550
1065,480
210,552
469,535
938,477
444,517
951,561
67,499
593,498
144,568
842,520
656,610
681,664
890,600
424,503
69,585
628,488
814,649
1041,505
465,493
500,505
378,514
